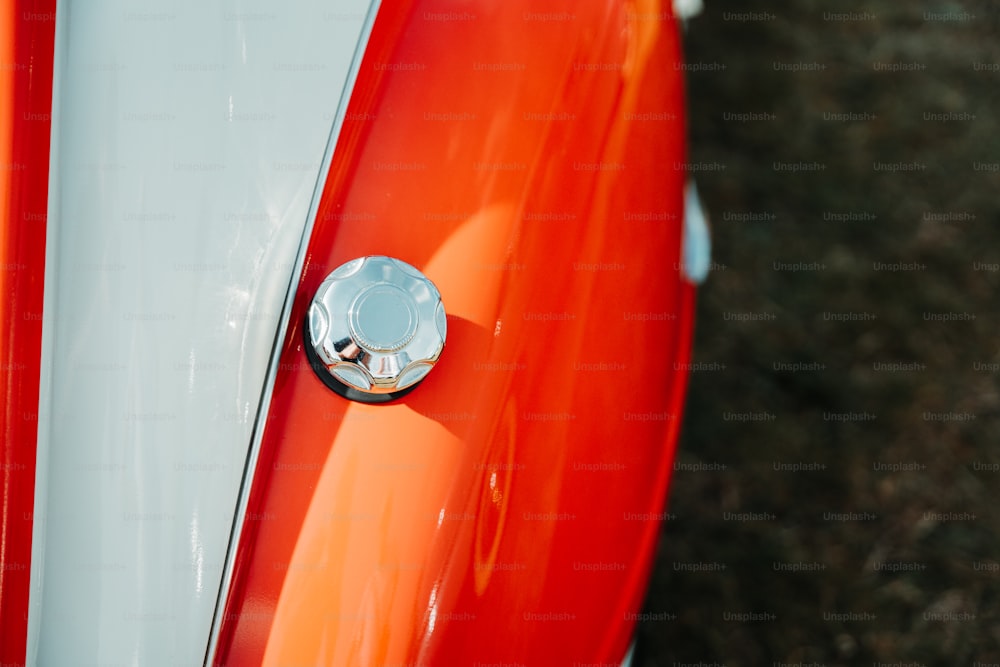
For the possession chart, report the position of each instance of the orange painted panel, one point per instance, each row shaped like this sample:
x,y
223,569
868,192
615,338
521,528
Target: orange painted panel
x,y
531,164
27,34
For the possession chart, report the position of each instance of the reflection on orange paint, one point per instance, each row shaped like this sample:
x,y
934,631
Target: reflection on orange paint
x,y
531,165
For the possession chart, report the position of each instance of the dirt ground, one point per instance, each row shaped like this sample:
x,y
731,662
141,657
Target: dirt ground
x,y
835,499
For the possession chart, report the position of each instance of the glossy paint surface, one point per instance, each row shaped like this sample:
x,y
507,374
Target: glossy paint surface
x,y
187,146
531,164
27,31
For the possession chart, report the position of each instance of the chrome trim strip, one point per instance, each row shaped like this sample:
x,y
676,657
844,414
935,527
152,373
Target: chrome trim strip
x,y
283,321
45,379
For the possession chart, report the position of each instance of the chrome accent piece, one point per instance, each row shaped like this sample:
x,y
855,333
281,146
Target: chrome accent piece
x,y
685,9
375,328
696,252
630,656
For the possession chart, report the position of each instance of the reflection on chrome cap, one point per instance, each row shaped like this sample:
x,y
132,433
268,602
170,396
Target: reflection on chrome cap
x,y
375,328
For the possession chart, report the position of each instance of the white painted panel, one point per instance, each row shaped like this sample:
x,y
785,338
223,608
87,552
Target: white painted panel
x,y
187,140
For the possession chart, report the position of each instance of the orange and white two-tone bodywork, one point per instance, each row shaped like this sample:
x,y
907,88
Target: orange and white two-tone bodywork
x,y
200,494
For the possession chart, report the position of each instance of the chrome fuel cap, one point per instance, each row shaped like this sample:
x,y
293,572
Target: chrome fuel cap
x,y
375,328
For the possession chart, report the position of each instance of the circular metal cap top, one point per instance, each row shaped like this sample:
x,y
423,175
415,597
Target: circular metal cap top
x,y
375,328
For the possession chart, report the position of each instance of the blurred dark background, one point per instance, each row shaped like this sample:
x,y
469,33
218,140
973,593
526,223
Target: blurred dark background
x,y
835,495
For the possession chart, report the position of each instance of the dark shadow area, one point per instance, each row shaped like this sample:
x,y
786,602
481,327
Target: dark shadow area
x,y
836,492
